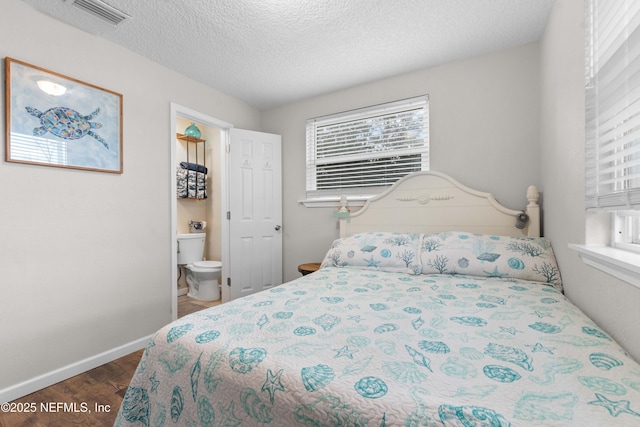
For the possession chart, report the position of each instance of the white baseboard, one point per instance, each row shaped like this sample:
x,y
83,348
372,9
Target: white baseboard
x,y
45,380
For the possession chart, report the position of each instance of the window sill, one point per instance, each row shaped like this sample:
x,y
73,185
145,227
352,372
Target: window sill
x,y
333,202
619,263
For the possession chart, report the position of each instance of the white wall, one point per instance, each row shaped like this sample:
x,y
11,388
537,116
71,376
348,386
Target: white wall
x,y
484,130
85,256
611,303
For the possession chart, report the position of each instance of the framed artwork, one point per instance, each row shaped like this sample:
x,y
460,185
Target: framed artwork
x,y
55,120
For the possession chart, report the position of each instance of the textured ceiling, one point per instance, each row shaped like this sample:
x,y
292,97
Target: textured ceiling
x,y
271,52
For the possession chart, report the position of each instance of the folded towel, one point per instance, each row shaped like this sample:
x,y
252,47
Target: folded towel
x,y
193,166
191,184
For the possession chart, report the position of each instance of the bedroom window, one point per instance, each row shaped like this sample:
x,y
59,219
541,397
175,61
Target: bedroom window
x,y
612,155
613,115
359,153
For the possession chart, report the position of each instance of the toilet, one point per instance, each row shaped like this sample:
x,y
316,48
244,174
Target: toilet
x,y
202,276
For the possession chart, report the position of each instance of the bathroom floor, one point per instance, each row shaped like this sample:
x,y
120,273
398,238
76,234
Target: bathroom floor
x,y
188,305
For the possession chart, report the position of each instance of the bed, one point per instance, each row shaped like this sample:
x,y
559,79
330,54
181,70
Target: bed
x,y
435,306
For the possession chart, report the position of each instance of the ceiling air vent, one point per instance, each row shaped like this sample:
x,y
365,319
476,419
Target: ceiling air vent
x,y
101,10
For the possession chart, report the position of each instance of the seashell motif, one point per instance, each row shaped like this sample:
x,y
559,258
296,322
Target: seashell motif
x,y
447,296
332,300
263,303
405,372
418,358
178,331
501,373
385,253
195,376
470,321
358,341
206,337
595,332
360,290
486,305
417,323
412,310
316,377
262,321
455,367
434,347
254,407
603,385
414,289
631,383
205,412
303,331
493,299
135,405
516,263
488,256
471,353
326,321
468,285
518,288
509,354
548,300
379,307
386,327
177,404
463,262
371,387
243,360
604,361
387,347
546,328
368,248
351,254
283,315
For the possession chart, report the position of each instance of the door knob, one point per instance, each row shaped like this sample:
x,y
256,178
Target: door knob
x,y
278,228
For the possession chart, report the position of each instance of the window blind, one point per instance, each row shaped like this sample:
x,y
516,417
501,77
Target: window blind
x,y
358,151
612,153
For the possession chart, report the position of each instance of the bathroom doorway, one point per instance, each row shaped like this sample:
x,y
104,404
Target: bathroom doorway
x,y
211,210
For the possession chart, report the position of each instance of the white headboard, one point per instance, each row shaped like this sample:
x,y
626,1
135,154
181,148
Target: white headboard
x,y
432,202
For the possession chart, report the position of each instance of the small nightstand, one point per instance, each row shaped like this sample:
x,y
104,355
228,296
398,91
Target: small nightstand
x,y
309,267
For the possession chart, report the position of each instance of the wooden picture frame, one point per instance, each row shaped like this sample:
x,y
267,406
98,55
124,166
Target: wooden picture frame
x,y
55,120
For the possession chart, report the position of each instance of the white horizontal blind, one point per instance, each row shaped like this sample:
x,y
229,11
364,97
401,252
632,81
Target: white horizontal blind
x,y
613,105
359,151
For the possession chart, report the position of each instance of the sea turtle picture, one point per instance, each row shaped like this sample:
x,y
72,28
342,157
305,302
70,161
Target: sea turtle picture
x,y
66,123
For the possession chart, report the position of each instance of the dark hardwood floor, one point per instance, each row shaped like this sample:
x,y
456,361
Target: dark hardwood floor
x,y
89,399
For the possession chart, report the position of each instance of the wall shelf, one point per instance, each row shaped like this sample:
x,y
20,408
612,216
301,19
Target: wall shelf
x,y
200,193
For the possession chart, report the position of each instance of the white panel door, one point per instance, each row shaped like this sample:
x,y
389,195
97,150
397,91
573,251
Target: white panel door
x,y
255,212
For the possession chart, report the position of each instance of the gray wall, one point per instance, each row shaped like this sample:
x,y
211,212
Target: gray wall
x,y
484,130
85,255
611,303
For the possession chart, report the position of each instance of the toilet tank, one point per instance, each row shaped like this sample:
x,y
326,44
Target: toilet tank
x,y
190,247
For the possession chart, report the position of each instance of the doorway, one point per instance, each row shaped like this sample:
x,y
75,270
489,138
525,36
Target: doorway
x,y
217,206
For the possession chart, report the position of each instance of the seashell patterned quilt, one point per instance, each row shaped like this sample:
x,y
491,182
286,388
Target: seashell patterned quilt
x,y
360,347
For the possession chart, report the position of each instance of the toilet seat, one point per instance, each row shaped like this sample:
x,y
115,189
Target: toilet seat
x,y
205,266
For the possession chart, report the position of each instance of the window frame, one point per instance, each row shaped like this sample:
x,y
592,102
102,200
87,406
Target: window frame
x,y
612,188
357,195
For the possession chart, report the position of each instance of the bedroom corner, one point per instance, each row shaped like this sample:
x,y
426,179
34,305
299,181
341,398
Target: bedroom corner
x,y
87,255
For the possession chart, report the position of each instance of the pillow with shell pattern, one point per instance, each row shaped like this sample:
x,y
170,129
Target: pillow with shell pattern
x,y
527,258
383,251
